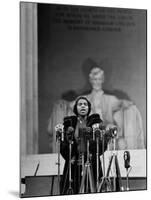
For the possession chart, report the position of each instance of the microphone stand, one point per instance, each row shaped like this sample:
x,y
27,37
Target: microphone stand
x,y
98,134
105,181
58,136
97,162
81,157
127,180
87,174
127,166
117,180
70,189
59,166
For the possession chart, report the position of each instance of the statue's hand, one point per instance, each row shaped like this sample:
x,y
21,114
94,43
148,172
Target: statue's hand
x,y
121,144
126,104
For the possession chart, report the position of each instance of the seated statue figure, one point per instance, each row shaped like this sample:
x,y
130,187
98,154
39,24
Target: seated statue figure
x,y
112,110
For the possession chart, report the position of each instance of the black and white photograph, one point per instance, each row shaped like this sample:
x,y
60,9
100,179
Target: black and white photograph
x,y
83,89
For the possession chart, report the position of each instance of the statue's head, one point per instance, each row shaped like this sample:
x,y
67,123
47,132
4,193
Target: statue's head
x,y
96,78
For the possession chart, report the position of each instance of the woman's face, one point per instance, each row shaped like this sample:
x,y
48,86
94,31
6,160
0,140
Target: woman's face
x,y
82,107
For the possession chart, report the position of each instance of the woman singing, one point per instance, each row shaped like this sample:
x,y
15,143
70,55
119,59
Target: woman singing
x,y
78,128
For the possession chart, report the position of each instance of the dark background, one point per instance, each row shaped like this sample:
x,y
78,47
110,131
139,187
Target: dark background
x,y
66,56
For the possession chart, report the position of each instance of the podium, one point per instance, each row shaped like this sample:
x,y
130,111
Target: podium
x,y
39,173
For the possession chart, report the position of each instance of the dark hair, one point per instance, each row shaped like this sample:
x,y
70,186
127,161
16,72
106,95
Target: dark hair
x,y
75,105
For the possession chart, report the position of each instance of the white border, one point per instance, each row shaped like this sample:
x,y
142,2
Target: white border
x,y
9,100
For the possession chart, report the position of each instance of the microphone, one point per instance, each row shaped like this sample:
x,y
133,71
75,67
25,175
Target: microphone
x,y
98,129
85,133
127,159
111,132
70,130
59,128
69,133
88,130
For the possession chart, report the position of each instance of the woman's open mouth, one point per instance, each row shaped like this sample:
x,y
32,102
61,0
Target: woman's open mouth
x,y
83,110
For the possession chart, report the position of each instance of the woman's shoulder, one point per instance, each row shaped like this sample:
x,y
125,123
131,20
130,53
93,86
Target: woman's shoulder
x,y
72,117
70,121
93,119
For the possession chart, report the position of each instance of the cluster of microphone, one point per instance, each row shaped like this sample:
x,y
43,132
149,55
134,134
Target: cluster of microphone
x,y
88,133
